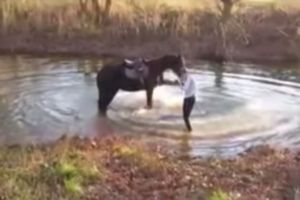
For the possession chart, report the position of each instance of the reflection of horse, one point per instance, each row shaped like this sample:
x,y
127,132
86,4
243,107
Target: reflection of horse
x,y
112,78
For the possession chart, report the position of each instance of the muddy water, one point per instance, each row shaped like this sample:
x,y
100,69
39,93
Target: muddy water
x,y
238,106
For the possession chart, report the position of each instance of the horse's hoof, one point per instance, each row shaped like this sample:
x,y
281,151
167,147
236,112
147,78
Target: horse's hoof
x,y
102,114
148,107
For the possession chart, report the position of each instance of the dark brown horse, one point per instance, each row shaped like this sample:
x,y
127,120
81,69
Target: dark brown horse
x,y
112,78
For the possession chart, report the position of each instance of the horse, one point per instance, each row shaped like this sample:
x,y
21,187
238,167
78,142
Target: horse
x,y
112,78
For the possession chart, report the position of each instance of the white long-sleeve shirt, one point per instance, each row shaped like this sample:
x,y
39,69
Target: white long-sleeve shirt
x,y
189,87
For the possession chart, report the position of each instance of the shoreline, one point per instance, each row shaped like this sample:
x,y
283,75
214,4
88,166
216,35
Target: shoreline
x,y
123,168
91,48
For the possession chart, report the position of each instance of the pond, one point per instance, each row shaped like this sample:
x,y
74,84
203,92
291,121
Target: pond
x,y
238,106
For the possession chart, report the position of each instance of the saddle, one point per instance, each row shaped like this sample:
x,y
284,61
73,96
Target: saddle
x,y
135,69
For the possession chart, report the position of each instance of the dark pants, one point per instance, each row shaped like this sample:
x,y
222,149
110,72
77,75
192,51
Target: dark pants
x,y
188,105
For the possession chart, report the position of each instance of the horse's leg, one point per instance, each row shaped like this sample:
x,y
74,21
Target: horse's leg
x,y
149,93
106,96
101,102
161,79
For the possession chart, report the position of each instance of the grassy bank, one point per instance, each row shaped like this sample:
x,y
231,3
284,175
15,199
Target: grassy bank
x,y
119,168
255,32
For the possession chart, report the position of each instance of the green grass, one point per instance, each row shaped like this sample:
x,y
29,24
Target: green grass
x,y
34,173
219,195
135,156
118,168
65,170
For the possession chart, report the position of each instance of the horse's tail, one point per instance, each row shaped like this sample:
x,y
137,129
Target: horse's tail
x,y
100,84
102,75
108,73
107,86
98,79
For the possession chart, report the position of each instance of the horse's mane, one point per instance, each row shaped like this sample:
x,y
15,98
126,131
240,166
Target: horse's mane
x,y
162,63
179,56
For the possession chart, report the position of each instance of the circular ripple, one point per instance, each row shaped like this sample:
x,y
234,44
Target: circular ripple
x,y
41,99
243,111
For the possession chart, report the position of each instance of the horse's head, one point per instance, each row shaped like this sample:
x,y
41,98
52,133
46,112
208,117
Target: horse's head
x,y
175,62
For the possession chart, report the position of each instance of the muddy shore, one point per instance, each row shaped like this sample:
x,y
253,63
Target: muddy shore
x,y
252,34
123,168
274,52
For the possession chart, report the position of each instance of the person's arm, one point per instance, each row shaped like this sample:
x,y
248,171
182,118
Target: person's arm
x,y
169,82
181,83
163,81
186,84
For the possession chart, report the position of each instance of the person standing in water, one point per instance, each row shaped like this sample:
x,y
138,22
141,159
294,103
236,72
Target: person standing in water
x,y
189,88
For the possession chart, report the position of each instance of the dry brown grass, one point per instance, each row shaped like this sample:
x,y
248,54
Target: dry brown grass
x,y
123,168
141,22
127,18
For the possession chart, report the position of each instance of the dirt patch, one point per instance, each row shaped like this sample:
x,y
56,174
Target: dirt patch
x,y
274,52
123,168
252,34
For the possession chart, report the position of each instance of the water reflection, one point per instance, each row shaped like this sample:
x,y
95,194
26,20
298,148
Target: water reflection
x,y
184,145
102,127
218,70
44,98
